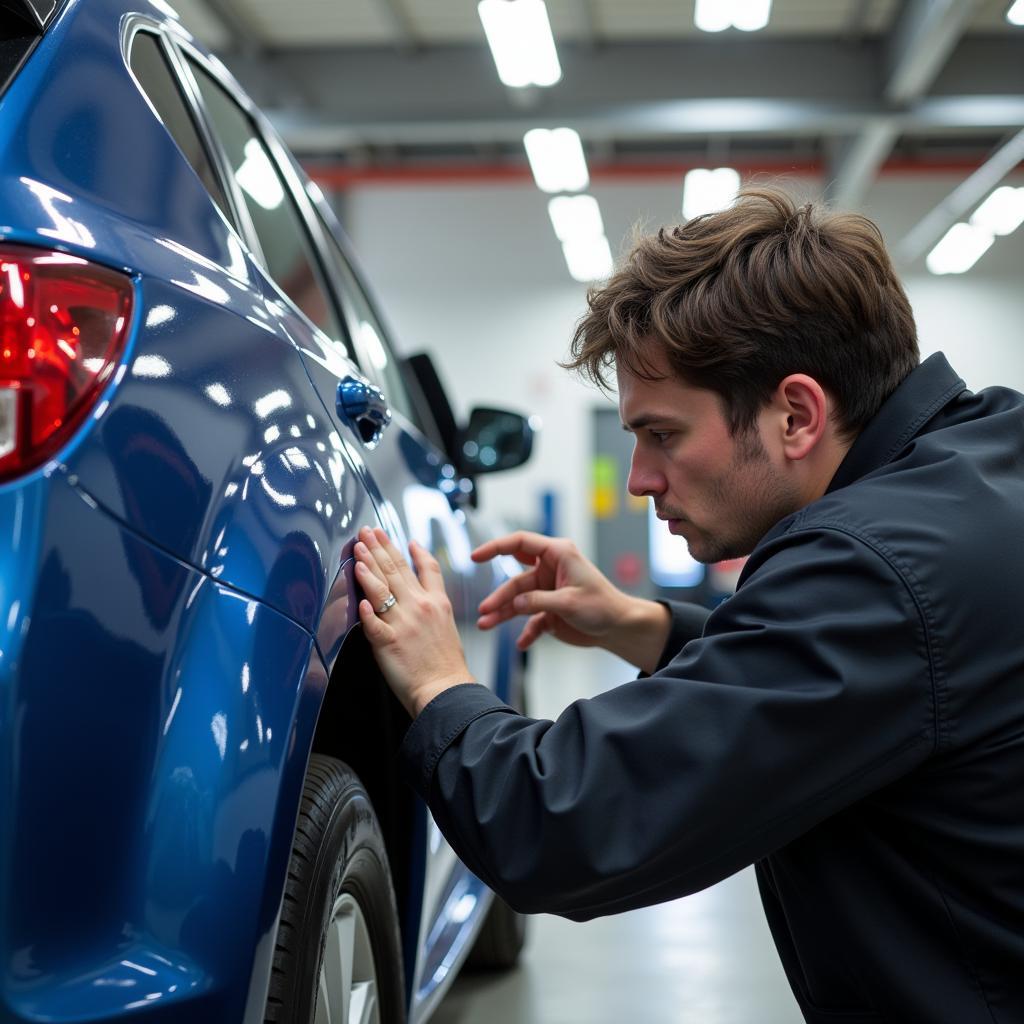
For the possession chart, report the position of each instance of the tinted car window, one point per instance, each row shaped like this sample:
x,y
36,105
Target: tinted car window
x,y
367,334
151,70
286,247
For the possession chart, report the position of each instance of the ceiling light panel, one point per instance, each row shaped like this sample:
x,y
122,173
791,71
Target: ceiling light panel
x,y
588,260
557,159
519,35
961,247
1002,212
706,191
576,218
718,15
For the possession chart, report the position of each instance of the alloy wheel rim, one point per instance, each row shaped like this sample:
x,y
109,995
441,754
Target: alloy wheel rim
x,y
347,986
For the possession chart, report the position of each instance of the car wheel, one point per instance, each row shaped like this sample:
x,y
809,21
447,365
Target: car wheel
x,y
338,955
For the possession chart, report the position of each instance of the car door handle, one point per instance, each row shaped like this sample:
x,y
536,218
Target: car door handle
x,y
363,406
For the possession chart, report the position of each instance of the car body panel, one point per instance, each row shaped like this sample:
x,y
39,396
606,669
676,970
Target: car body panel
x,y
177,582
143,840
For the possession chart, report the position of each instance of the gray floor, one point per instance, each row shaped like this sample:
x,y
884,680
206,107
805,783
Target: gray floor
x,y
706,959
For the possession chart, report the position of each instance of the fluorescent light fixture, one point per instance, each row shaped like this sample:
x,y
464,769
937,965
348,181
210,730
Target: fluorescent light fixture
x,y
588,259
707,191
751,15
746,15
519,35
712,15
1015,15
576,218
961,247
1003,211
556,158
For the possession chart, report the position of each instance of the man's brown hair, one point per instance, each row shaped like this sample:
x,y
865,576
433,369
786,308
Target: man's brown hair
x,y
742,298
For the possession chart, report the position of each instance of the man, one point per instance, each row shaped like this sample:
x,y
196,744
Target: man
x,y
851,720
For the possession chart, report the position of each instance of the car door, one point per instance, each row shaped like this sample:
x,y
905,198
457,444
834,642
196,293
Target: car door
x,y
422,497
410,481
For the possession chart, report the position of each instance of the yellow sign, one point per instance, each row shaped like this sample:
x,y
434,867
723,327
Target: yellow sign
x,y
604,489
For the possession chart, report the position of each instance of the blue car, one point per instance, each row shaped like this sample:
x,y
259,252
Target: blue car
x,y
201,817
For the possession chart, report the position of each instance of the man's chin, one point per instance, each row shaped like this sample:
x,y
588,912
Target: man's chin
x,y
710,552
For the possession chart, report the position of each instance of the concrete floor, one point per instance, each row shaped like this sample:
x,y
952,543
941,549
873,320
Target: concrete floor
x,y
706,959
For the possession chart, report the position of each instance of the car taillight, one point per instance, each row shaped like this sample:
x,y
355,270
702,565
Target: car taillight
x,y
63,326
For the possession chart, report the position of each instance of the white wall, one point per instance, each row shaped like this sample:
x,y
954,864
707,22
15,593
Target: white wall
x,y
475,274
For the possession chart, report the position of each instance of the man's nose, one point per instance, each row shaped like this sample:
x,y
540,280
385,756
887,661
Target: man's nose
x,y
643,481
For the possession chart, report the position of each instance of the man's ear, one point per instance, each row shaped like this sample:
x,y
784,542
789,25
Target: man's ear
x,y
802,406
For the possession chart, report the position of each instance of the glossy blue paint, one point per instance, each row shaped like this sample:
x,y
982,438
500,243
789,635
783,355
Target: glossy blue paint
x,y
145,775
176,585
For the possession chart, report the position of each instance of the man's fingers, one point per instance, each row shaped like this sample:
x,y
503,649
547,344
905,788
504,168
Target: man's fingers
x,y
389,560
376,630
508,590
428,570
527,547
496,618
536,603
375,588
533,601
536,626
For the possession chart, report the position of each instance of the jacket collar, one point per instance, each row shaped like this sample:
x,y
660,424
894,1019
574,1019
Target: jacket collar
x,y
919,397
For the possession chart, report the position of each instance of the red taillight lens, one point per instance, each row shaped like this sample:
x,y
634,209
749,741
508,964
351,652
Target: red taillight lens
x,y
63,326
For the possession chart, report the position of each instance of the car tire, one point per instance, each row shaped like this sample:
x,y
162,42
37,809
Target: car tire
x,y
338,956
501,939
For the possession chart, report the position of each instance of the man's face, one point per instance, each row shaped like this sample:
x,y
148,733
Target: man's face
x,y
721,493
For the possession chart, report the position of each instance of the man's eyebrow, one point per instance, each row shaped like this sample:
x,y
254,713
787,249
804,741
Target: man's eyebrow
x,y
644,421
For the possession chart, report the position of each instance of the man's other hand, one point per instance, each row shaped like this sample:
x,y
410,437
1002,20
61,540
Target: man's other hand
x,y
567,596
413,637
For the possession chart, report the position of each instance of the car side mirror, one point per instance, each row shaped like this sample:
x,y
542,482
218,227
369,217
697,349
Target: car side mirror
x,y
493,440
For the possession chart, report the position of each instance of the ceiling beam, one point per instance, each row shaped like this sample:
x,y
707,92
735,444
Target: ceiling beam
x,y
670,119
401,24
586,16
452,94
246,39
963,198
249,46
924,37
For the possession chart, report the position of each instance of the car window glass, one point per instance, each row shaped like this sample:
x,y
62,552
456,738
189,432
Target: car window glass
x,y
368,336
276,219
153,73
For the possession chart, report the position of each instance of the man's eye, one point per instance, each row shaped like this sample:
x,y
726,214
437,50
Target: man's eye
x,y
661,435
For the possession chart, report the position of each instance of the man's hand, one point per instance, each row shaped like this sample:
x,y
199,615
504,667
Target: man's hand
x,y
414,640
567,596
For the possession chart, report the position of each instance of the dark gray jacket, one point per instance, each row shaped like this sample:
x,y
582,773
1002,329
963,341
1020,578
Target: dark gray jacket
x,y
851,720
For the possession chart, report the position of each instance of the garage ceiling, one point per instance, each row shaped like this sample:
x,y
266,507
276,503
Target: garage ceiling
x,y
849,89
347,23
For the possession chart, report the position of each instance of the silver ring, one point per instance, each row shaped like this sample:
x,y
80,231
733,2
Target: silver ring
x,y
389,602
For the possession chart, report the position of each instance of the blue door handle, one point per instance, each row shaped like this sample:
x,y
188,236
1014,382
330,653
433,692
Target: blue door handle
x,y
363,406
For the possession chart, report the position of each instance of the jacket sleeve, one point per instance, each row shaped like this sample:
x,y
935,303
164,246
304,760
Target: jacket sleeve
x,y
688,622
810,688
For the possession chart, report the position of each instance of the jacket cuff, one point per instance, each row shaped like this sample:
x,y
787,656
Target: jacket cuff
x,y
688,622
438,725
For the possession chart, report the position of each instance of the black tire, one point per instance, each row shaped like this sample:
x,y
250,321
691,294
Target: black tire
x,y
338,869
500,941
